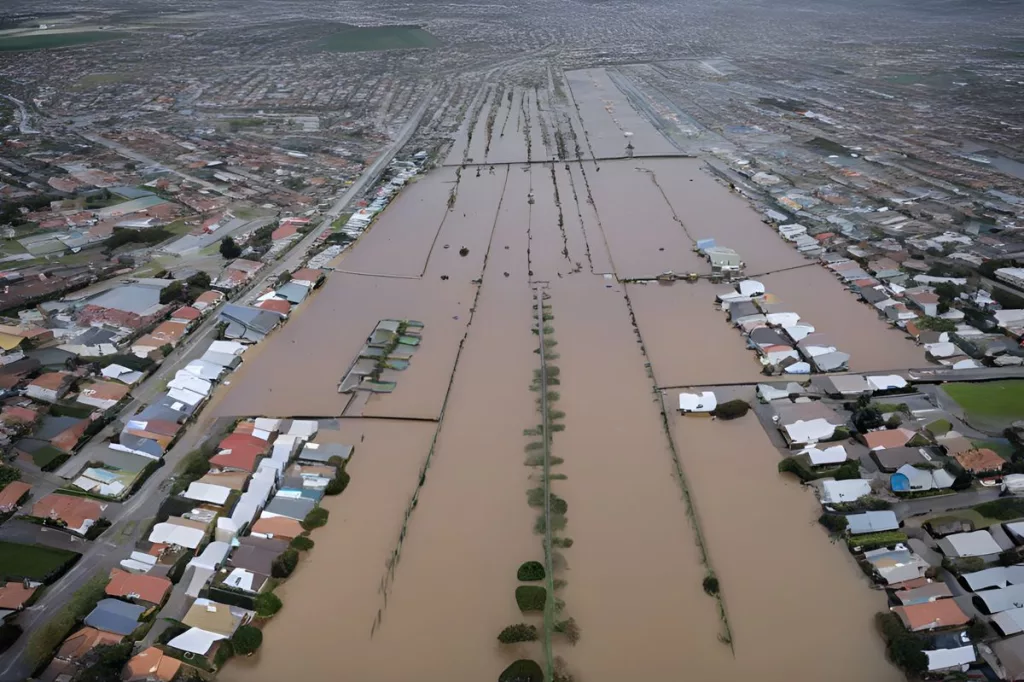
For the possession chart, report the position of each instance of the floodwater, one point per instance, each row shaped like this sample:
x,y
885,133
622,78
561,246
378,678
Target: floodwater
x,y
633,573
798,606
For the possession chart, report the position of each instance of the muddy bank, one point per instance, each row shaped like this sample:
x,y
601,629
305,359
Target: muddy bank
x,y
626,512
779,573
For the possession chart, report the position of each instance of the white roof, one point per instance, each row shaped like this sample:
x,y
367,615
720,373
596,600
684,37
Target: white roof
x,y
886,381
1013,482
833,455
219,359
997,576
266,424
173,534
204,370
783,319
207,492
975,543
303,428
944,659
190,382
190,398
212,556
798,368
229,347
1006,599
240,578
121,373
698,402
1010,622
750,287
810,431
195,640
135,566
872,522
942,349
834,492
246,509
798,332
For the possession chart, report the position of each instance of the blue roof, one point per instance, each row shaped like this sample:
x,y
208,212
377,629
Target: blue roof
x,y
899,483
114,615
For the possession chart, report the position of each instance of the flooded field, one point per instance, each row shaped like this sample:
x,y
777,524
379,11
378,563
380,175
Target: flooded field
x,y
634,571
780,574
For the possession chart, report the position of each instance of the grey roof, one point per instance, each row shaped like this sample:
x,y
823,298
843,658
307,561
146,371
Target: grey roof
x,y
997,601
791,412
147,445
125,461
997,576
763,336
131,298
294,508
50,357
831,362
222,359
293,292
162,409
1010,652
891,459
255,320
924,594
873,295
256,554
51,427
872,522
94,336
114,615
740,309
322,452
975,543
850,384
389,325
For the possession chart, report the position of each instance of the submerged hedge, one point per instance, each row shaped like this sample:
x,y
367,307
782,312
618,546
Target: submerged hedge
x,y
531,570
531,597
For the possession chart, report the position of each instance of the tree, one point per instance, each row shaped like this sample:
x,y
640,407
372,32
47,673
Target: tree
x,y
867,418
315,518
570,629
836,523
848,471
894,421
523,670
301,543
267,604
531,570
8,475
229,249
283,565
732,409
520,632
247,639
200,279
337,485
172,292
105,662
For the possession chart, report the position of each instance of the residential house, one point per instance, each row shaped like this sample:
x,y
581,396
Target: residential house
x,y
978,543
145,589
237,273
908,479
186,315
167,333
209,623
102,394
835,454
248,324
175,534
887,438
151,665
308,277
83,641
889,460
872,522
276,305
277,527
12,495
840,492
134,305
207,300
204,492
924,300
323,452
114,615
1006,657
997,576
980,460
843,386
50,387
999,600
252,561
292,507
77,514
936,615
924,594
896,566
14,596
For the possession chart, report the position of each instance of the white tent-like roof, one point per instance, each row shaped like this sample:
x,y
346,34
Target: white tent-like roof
x,y
886,381
831,455
947,659
173,534
303,428
207,492
698,402
229,347
810,431
195,640
837,492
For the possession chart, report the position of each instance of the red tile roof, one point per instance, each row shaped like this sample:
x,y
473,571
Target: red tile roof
x,y
276,305
148,588
11,494
240,456
186,312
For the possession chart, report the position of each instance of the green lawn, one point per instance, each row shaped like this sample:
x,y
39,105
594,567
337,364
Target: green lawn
x,y
34,562
46,41
974,517
1001,399
45,455
1003,449
371,38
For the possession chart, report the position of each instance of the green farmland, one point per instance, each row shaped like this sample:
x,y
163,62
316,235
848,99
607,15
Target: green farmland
x,y
49,41
374,38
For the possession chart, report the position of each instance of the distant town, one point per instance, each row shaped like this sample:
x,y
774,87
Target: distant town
x,y
533,343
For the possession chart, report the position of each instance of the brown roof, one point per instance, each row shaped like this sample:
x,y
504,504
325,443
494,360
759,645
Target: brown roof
x,y
149,588
151,664
278,526
307,275
52,380
67,439
241,456
105,390
957,445
74,511
888,438
14,595
83,641
943,613
229,479
16,413
276,305
12,494
209,298
981,459
186,313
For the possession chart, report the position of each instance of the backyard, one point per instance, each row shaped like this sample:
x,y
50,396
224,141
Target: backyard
x,y
34,562
991,401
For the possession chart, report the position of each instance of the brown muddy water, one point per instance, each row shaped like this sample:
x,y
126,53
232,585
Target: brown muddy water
x,y
634,572
799,607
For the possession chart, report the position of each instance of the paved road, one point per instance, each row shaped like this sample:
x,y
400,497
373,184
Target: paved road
x,y
118,541
925,505
15,530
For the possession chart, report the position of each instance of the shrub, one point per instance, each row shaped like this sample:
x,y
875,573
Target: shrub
x,y
558,584
531,570
905,648
523,670
267,604
867,419
8,475
569,628
558,505
850,469
871,541
104,662
893,421
302,543
836,523
247,639
337,485
977,630
961,565
557,523
283,565
732,409
531,597
229,249
562,542
315,518
520,632
535,460
9,634
535,497
711,585
44,640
